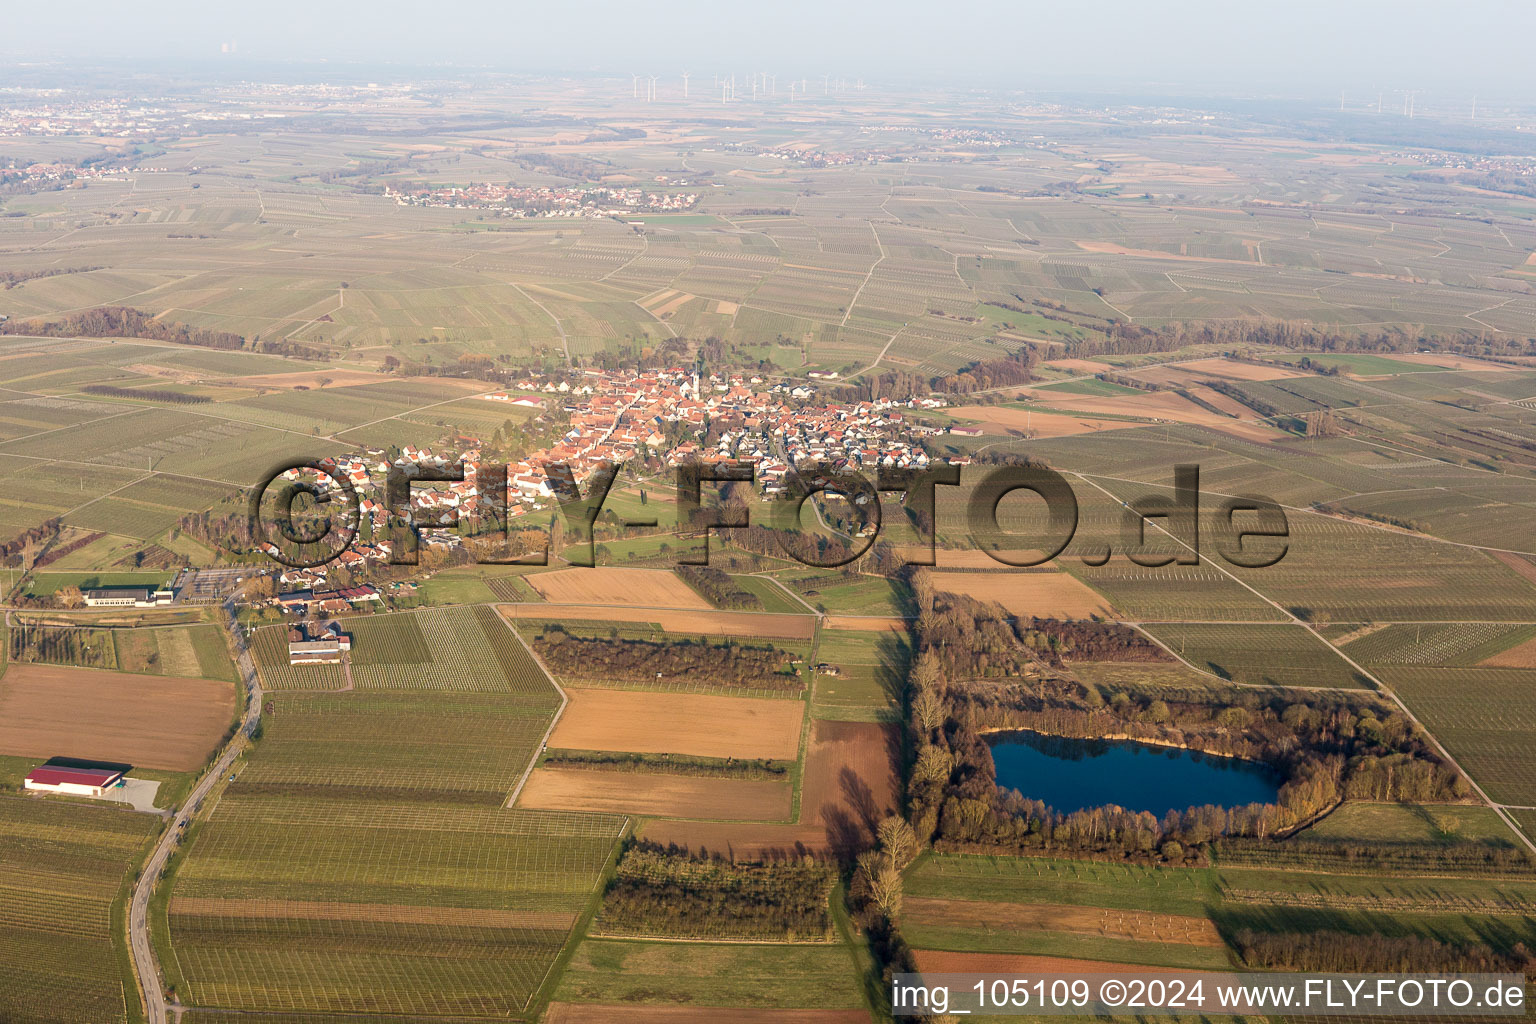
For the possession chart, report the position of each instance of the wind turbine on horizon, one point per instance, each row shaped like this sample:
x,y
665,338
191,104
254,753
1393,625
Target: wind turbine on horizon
x,y
685,85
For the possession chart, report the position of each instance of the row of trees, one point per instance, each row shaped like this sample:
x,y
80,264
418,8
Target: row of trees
x,y
146,394
659,890
720,588
1362,954
62,645
643,661
669,764
11,278
972,638
127,322
1464,857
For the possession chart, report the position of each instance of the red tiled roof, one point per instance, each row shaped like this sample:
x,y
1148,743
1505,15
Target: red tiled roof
x,y
47,776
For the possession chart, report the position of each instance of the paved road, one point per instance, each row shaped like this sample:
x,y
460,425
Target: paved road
x,y
145,966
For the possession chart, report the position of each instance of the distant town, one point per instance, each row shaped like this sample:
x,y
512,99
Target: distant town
x,y
543,201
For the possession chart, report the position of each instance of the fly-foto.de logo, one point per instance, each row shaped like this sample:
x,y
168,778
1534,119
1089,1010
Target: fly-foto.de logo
x,y
305,513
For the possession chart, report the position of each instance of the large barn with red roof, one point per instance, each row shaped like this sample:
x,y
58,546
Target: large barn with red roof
x,y
74,781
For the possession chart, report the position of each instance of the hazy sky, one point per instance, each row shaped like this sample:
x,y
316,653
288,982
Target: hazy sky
x,y
1312,47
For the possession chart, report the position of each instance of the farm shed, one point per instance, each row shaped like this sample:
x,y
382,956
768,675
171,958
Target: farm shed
x,y
73,781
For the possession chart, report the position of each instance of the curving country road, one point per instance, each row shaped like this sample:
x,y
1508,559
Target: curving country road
x,y
145,966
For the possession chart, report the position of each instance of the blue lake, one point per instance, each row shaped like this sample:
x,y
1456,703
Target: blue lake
x,y
1070,774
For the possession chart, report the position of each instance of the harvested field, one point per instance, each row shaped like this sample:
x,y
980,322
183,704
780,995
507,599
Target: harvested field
x,y
1522,565
1450,361
653,794
150,721
942,962
997,419
1048,595
1234,370
1172,375
311,379
376,913
850,784
646,587
1051,917
667,303
598,1013
680,723
1522,655
650,302
1163,405
1116,249
710,623
967,558
1223,402
850,773
152,370
867,623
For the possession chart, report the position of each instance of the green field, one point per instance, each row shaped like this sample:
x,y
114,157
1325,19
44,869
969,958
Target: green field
x,y
1435,823
1279,655
1369,365
1484,718
454,648
358,905
197,651
367,827
1096,387
44,582
1451,643
963,246
703,974
1000,881
65,868
871,669
1460,910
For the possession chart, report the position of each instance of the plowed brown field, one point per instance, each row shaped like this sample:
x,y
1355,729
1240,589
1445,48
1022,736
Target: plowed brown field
x,y
650,587
1050,917
150,721
850,785
1048,595
653,793
679,723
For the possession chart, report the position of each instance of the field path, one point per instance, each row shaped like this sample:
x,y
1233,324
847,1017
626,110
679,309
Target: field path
x,y
146,967
565,344
802,601
522,780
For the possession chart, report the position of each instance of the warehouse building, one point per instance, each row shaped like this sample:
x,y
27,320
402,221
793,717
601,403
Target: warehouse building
x,y
51,778
128,597
318,645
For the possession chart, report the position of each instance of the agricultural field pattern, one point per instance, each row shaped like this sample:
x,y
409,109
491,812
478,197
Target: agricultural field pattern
x,y
666,765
